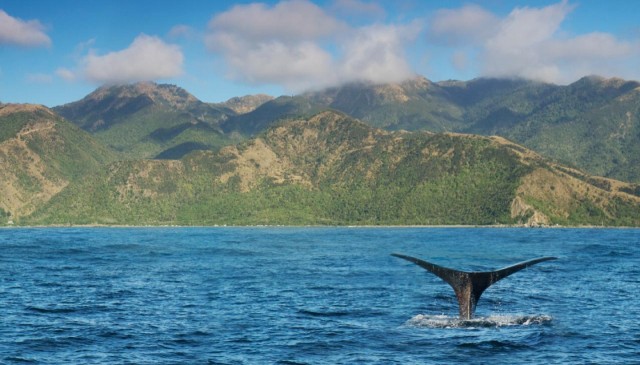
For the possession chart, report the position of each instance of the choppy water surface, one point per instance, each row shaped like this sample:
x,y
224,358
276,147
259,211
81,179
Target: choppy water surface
x,y
314,296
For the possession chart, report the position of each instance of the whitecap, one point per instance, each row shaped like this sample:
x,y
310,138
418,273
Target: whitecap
x,y
444,321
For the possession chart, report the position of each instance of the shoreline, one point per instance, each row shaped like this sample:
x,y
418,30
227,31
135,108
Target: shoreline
x,y
461,226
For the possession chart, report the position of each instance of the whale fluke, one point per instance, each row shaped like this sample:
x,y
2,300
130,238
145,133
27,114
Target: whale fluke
x,y
469,286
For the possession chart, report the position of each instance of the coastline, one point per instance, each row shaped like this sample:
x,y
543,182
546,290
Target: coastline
x,y
456,226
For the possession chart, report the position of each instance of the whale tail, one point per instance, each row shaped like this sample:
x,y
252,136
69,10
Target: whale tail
x,y
469,286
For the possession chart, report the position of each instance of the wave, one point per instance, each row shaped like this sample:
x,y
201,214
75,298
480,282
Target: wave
x,y
123,246
50,310
443,321
321,313
20,360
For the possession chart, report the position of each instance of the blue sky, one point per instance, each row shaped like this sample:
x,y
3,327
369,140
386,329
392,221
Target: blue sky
x,y
55,52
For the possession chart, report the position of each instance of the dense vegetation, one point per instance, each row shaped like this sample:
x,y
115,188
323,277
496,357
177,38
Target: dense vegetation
x,y
11,125
154,154
147,120
328,169
593,124
42,156
256,121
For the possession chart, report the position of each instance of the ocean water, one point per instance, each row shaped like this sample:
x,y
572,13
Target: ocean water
x,y
314,296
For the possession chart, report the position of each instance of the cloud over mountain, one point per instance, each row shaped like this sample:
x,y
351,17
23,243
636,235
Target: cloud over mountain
x,y
147,58
22,33
376,53
300,46
469,24
529,42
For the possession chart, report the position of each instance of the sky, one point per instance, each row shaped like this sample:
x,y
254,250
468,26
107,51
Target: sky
x,y
56,52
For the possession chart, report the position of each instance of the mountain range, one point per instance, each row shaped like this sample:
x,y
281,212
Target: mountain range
x,y
592,124
416,152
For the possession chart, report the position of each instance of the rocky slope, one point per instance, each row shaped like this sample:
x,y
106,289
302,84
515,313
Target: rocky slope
x,y
332,169
40,154
592,124
245,104
146,120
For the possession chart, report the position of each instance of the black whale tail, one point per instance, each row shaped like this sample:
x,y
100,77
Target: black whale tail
x,y
469,286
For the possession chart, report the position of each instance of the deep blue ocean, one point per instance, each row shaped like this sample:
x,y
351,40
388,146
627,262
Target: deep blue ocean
x,y
314,296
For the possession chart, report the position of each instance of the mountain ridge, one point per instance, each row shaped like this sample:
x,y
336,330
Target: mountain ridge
x,y
300,160
593,123
333,169
40,155
245,104
147,120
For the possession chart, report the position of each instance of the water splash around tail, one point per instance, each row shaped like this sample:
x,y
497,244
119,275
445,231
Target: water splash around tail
x,y
443,321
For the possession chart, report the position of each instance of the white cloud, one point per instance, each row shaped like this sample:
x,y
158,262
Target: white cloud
x,y
287,21
526,27
66,74
300,46
22,33
469,24
147,58
529,42
592,46
376,53
295,66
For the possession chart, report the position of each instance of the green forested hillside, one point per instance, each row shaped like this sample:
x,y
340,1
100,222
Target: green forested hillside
x,y
592,124
331,169
264,116
41,154
243,104
416,104
147,120
326,167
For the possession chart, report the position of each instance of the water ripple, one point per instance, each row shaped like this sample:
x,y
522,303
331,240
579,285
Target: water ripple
x,y
313,296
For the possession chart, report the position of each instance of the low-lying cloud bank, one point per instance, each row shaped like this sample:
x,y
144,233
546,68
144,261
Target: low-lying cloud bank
x,y
299,45
530,43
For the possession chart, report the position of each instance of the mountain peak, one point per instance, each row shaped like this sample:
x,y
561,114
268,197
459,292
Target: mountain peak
x,y
6,109
613,85
167,94
601,80
366,93
113,103
246,104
